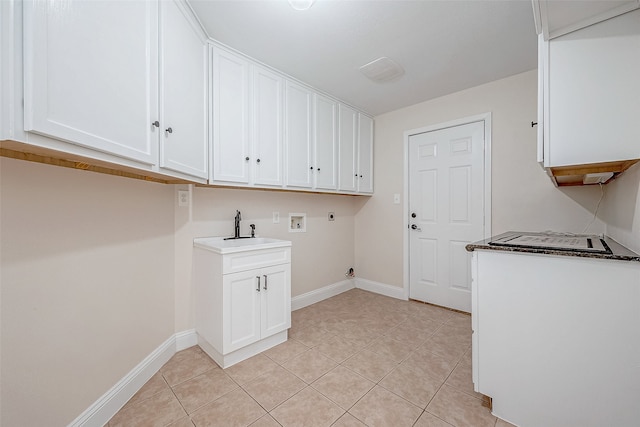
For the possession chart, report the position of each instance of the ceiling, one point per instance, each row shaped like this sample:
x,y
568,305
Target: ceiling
x,y
443,46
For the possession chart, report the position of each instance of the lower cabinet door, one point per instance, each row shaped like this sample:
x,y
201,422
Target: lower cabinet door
x,y
241,309
276,299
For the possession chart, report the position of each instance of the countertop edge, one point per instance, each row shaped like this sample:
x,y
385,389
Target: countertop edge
x,y
620,252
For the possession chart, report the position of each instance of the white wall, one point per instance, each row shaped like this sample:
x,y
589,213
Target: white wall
x,y
86,286
621,208
319,257
523,197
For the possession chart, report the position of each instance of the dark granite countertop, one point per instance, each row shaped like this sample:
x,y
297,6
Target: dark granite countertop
x,y
618,252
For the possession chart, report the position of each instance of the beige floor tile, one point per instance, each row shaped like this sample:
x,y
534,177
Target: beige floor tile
x,y
203,389
266,421
233,409
452,350
360,335
187,364
311,336
460,320
370,365
425,325
158,410
251,368
155,385
452,333
391,348
308,408
430,420
285,351
460,409
409,335
348,420
310,366
183,422
461,379
343,386
417,389
274,387
503,423
339,348
430,364
431,312
381,408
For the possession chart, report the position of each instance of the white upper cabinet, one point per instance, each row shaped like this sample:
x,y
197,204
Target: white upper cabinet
x,y
299,150
348,142
90,72
325,143
267,127
230,93
356,151
591,94
365,154
125,79
556,18
183,92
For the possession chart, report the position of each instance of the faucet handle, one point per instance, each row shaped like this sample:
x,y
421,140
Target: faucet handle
x,y
253,230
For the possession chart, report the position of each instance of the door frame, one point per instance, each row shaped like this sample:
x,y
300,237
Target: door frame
x,y
486,118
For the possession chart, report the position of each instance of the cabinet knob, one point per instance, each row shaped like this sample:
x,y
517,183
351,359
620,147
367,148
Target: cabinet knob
x,y
318,169
360,176
311,168
356,175
258,161
258,288
265,282
247,158
168,130
156,124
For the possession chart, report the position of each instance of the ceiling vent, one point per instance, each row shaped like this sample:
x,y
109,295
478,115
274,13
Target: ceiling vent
x,y
382,70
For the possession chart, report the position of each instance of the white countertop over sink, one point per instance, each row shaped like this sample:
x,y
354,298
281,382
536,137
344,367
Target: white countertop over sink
x,y
221,246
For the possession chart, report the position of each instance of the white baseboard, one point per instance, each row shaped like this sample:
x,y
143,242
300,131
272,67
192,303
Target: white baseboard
x,y
381,288
110,403
321,294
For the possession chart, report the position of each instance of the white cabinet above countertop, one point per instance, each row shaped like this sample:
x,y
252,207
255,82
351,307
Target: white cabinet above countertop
x,y
589,100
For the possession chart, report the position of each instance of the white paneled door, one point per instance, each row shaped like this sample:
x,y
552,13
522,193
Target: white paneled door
x,y
446,212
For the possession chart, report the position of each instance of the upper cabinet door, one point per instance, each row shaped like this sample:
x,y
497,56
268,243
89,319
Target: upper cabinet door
x,y
230,76
298,139
365,155
183,92
348,149
325,142
267,140
91,74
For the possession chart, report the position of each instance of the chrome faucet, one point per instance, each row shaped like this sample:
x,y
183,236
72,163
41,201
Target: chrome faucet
x,y
238,219
253,230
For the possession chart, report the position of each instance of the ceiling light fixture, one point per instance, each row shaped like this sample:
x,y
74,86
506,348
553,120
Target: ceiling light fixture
x,y
382,70
301,4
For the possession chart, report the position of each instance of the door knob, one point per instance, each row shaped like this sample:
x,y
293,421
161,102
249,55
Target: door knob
x,y
413,215
415,227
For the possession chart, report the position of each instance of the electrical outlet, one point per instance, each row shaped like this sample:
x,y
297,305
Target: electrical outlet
x,y
331,216
183,198
276,217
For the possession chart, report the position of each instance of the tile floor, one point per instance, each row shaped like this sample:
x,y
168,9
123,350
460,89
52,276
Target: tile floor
x,y
357,359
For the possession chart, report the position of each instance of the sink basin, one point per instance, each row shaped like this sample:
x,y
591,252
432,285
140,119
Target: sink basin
x,y
222,246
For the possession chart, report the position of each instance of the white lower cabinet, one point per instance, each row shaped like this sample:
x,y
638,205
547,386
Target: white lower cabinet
x,y
243,302
556,339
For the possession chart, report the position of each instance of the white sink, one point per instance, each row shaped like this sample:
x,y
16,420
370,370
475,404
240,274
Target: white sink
x,y
222,246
